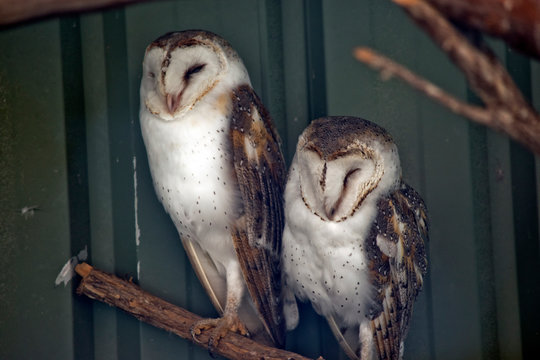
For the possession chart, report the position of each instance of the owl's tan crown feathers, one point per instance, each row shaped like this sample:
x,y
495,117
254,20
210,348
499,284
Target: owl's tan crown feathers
x,y
175,39
333,135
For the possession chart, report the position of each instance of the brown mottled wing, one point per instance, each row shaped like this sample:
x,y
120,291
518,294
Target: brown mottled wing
x,y
260,173
398,263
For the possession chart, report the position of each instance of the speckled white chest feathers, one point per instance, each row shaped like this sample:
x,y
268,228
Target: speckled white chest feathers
x,y
324,261
191,169
186,92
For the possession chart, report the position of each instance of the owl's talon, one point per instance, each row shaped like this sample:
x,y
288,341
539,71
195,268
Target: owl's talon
x,y
197,328
221,327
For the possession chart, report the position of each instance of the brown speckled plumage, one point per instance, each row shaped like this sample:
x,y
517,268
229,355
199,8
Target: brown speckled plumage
x,y
395,278
261,181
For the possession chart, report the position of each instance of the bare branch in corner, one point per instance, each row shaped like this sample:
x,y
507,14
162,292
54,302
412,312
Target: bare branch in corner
x,y
506,109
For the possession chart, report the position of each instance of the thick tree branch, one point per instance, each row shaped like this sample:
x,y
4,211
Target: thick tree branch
x,y
515,21
127,296
505,107
13,11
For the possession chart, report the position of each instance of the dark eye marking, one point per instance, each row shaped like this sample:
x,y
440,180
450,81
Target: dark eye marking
x,y
193,70
322,181
151,74
348,176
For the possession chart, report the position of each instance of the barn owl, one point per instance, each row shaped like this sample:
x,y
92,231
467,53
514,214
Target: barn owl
x,y
353,242
218,170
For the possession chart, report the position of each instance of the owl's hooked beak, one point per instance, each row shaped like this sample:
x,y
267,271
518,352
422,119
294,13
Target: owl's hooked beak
x,y
330,210
173,101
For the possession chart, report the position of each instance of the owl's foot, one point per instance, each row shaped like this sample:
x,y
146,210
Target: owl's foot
x,y
221,326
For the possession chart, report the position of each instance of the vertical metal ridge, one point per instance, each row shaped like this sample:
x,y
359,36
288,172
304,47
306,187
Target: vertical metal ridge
x,y
294,74
525,220
483,236
316,74
271,58
485,270
77,173
121,135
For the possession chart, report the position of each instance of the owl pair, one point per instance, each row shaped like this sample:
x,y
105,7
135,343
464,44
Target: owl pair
x,y
350,238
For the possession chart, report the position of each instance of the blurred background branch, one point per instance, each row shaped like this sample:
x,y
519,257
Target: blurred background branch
x,y
505,108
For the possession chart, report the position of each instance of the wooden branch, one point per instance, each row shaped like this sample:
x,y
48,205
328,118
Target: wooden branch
x,y
14,11
127,296
505,107
515,21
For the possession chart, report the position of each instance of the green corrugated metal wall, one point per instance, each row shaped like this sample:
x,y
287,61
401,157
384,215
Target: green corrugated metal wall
x,y
70,143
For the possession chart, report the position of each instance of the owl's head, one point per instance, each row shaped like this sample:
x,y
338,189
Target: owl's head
x,y
181,68
342,161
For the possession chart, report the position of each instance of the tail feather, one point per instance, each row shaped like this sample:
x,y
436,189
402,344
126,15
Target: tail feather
x,y
348,343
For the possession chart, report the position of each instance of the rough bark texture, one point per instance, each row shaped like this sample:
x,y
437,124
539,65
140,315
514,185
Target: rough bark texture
x,y
14,11
127,296
505,108
515,21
